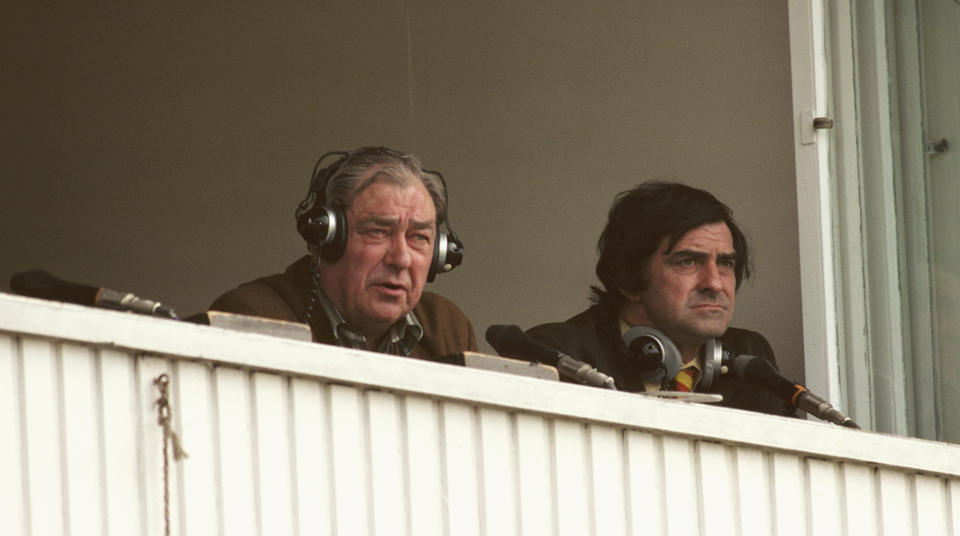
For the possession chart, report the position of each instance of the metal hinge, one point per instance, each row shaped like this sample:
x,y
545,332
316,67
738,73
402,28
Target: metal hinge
x,y
809,124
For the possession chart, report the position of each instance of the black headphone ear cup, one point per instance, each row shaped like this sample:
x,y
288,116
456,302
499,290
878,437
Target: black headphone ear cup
x,y
447,254
712,362
652,354
322,225
439,255
333,249
325,227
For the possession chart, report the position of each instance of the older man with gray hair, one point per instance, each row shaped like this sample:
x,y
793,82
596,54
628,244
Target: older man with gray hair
x,y
376,228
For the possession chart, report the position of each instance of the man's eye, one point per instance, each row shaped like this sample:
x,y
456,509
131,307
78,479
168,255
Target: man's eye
x,y
420,239
687,262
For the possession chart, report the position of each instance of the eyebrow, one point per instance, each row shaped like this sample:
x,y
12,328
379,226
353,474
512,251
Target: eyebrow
x,y
421,224
387,221
379,220
686,253
700,254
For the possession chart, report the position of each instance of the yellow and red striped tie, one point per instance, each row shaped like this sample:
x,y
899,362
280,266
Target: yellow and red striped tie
x,y
683,381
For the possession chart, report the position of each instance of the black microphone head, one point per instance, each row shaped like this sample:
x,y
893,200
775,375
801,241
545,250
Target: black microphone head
x,y
758,371
33,283
498,335
40,284
510,341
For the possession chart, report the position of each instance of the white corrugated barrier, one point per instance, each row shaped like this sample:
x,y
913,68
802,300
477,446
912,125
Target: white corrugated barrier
x,y
286,437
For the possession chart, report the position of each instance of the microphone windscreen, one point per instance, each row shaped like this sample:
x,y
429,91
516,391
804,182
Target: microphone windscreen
x,y
40,284
35,283
758,371
498,334
511,341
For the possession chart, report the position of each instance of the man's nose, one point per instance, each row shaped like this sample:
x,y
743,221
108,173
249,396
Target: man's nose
x,y
398,252
710,277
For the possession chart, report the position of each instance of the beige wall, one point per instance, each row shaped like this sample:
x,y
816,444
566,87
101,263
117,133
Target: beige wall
x,y
162,149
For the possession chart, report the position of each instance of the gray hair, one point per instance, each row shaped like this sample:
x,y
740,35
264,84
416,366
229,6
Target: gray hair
x,y
348,179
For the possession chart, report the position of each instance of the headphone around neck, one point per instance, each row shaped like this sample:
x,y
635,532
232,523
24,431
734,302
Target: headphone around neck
x,y
324,224
657,359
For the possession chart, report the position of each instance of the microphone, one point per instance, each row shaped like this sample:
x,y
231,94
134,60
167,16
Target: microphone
x,y
40,284
758,371
511,341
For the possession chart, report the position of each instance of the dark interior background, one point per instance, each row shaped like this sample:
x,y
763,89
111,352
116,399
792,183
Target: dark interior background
x,y
161,149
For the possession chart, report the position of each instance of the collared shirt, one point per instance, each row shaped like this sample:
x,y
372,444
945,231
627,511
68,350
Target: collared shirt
x,y
653,387
400,338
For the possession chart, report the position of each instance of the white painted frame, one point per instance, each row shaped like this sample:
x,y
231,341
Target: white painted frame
x,y
866,309
809,70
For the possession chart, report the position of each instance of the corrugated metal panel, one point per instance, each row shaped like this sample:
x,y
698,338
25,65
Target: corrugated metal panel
x,y
273,453
13,491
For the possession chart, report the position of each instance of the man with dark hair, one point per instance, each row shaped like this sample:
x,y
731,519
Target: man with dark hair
x,y
376,228
671,259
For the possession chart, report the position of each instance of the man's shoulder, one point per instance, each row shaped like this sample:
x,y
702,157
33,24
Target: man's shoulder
x,y
745,341
584,336
581,325
274,296
447,330
256,298
433,307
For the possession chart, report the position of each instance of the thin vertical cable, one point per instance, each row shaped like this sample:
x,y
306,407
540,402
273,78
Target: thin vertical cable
x,y
412,127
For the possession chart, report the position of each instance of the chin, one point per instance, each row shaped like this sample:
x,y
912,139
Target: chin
x,y
712,330
390,315
387,319
717,333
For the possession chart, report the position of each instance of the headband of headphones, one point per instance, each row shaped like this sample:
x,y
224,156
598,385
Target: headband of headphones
x,y
324,225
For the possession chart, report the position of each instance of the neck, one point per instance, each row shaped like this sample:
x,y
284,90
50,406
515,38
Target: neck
x,y
689,350
374,337
689,355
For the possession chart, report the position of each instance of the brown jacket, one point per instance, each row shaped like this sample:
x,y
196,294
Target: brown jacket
x,y
446,330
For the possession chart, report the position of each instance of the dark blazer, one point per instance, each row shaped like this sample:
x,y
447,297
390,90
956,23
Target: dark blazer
x,y
594,338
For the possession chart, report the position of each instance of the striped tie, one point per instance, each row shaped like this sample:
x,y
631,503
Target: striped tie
x,y
683,381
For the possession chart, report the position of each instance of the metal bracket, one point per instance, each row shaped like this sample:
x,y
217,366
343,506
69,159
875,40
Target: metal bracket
x,y
933,148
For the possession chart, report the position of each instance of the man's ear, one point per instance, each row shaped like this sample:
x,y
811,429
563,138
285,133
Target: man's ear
x,y
630,295
639,284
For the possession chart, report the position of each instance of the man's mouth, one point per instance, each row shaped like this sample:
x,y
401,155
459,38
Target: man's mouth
x,y
710,306
392,287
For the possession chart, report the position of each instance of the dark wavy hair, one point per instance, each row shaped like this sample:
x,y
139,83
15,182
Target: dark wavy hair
x,y
640,219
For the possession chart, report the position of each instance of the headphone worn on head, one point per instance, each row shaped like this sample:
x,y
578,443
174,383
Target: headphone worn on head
x,y
325,226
